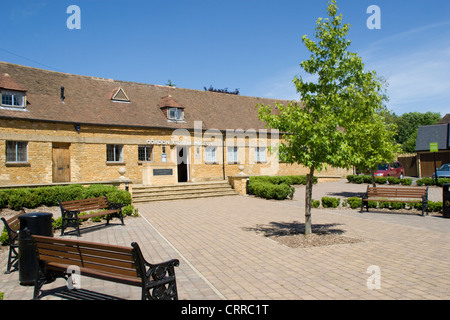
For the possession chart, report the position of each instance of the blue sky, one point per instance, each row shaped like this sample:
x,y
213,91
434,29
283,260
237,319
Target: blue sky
x,y
251,45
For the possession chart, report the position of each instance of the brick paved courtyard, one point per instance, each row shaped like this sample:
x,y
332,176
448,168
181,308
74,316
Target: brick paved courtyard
x,y
222,257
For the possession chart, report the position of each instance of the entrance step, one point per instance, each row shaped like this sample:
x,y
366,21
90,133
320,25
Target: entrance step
x,y
186,190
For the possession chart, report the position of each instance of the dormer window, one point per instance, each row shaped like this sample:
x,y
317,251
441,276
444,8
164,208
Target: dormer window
x,y
14,99
175,114
173,110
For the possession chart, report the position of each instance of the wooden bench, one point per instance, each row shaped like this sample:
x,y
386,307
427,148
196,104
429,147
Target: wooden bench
x,y
56,257
388,194
70,211
12,226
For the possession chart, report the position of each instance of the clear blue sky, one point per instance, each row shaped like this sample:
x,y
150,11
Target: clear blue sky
x,y
253,45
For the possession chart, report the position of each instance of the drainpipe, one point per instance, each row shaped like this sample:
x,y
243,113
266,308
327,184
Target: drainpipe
x,y
223,156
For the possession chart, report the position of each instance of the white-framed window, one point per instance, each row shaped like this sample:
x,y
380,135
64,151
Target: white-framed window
x,y
114,153
175,114
145,153
260,154
16,151
14,99
210,154
232,155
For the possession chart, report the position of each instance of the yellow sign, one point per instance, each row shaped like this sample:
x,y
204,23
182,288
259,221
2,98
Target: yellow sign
x,y
433,147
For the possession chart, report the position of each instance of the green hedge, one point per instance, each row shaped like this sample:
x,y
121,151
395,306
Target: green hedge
x,y
276,187
432,182
433,206
49,196
354,178
269,190
289,180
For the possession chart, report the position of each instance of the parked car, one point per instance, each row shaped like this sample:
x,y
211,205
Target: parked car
x,y
443,171
394,169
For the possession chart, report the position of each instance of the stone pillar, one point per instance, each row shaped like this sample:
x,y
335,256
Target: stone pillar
x,y
239,181
125,183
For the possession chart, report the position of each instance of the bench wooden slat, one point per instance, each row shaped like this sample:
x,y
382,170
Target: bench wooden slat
x,y
86,244
80,260
134,281
88,251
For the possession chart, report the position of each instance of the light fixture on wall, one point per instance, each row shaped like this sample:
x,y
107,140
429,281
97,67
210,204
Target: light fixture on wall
x,y
78,127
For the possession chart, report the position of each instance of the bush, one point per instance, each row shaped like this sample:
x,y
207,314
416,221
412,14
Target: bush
x,y
271,191
397,205
393,180
406,181
4,239
129,210
381,180
49,196
354,202
432,182
315,203
329,202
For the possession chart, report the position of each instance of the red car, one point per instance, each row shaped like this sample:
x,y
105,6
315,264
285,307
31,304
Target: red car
x,y
394,169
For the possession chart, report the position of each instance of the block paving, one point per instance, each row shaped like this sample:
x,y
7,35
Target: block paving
x,y
222,258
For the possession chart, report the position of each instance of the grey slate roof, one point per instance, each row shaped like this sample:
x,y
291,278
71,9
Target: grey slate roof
x,y
435,133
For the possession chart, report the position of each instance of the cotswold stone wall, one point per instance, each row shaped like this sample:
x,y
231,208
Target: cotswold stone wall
x,y
88,155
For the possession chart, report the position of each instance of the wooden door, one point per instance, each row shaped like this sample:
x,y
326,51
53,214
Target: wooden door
x,y
61,162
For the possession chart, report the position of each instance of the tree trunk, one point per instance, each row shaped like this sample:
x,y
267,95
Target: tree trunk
x,y
308,200
373,178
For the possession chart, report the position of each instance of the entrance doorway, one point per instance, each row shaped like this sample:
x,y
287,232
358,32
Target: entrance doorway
x,y
182,164
61,162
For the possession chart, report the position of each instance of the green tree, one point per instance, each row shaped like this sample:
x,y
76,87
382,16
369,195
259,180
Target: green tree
x,y
316,132
408,124
373,143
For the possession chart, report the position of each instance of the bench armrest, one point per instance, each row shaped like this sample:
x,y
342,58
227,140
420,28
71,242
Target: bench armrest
x,y
159,279
115,206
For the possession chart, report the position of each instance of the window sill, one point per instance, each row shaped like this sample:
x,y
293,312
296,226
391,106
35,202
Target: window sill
x,y
213,162
18,164
115,163
142,162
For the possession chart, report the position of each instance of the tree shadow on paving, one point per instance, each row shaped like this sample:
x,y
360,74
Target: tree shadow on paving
x,y
345,194
278,229
292,234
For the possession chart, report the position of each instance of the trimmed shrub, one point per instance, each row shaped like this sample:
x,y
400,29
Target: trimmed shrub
x,y
329,202
397,205
381,180
406,181
354,202
271,191
393,180
315,203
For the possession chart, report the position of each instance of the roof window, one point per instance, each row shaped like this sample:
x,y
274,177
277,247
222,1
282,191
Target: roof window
x,y
13,99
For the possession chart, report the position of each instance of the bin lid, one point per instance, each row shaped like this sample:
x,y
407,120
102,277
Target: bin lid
x,y
35,215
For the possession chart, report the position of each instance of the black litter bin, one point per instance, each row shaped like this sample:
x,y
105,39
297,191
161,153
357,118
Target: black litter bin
x,y
36,223
446,200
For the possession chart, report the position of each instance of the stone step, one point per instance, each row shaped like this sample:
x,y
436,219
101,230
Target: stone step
x,y
141,190
184,196
188,190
